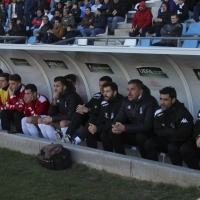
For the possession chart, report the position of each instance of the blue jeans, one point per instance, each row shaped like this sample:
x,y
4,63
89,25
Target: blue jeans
x,y
91,31
79,27
112,22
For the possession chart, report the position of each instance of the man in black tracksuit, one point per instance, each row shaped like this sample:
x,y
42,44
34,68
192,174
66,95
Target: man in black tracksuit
x,y
190,151
109,110
134,122
62,109
173,126
85,114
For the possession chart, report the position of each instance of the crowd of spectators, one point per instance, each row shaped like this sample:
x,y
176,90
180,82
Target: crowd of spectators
x,y
136,119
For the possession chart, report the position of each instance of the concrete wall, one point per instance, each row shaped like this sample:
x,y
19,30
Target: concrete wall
x,y
114,163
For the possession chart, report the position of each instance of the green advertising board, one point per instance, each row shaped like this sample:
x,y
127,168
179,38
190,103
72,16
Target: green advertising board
x,y
197,72
56,64
20,62
151,72
99,68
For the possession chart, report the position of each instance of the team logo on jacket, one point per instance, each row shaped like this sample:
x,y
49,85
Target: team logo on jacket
x,y
184,120
129,107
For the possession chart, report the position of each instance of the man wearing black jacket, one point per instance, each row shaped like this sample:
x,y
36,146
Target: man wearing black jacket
x,y
190,151
62,109
134,122
109,110
85,114
173,126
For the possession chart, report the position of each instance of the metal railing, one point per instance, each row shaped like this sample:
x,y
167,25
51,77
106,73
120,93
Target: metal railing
x,y
13,39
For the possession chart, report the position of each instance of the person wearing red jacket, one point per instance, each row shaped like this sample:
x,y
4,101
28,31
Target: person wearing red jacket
x,y
142,18
36,106
14,107
37,21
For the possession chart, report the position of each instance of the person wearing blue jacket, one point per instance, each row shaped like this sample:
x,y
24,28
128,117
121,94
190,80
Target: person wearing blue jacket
x,y
98,26
29,11
86,4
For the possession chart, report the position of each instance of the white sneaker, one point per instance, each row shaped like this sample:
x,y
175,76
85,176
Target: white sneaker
x,y
57,136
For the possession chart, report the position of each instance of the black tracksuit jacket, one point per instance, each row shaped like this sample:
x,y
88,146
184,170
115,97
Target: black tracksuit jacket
x,y
109,111
197,127
138,116
66,106
174,124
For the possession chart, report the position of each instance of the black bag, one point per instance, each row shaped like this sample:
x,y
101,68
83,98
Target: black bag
x,y
58,161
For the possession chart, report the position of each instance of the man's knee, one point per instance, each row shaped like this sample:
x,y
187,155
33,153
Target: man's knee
x,y
64,123
18,115
172,148
32,120
3,113
149,143
184,149
40,121
141,137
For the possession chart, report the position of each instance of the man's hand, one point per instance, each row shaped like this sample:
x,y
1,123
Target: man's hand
x,y
81,109
118,128
11,91
92,128
133,29
140,31
63,38
91,26
198,142
55,97
47,120
36,34
20,101
27,100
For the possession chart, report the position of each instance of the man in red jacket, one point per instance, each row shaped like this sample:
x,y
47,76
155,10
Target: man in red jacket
x,y
142,18
14,107
36,106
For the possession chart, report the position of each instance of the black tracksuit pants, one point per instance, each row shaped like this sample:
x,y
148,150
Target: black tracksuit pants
x,y
11,115
134,139
190,153
155,144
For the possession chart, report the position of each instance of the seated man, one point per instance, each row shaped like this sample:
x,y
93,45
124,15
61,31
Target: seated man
x,y
4,84
182,11
96,5
67,19
83,8
72,79
196,12
70,33
142,19
37,21
190,151
57,15
85,114
98,26
62,109
173,126
134,122
55,34
116,13
109,110
14,109
174,29
36,106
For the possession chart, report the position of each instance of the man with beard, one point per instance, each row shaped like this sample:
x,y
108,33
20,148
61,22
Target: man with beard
x,y
109,110
85,114
65,101
134,122
173,126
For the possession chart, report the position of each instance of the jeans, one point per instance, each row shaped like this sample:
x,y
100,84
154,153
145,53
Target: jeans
x,y
36,31
112,22
79,27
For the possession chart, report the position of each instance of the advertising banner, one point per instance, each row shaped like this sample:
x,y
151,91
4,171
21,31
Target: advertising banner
x,y
197,72
20,62
99,68
56,64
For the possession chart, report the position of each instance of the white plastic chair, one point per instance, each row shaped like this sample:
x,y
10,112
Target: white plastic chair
x,y
82,42
123,24
130,42
103,34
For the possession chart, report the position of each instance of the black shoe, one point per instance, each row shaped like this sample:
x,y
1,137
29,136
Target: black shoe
x,y
12,132
111,32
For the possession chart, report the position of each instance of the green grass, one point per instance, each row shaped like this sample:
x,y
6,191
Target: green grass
x,y
22,178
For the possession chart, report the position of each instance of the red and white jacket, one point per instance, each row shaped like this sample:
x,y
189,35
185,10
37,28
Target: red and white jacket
x,y
38,107
16,102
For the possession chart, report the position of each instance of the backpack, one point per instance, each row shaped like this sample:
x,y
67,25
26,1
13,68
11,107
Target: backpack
x,y
54,157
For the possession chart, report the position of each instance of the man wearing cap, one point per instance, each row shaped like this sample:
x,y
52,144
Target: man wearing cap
x,y
67,19
68,5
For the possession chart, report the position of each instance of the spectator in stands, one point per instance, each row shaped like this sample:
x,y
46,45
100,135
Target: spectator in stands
x,y
87,20
134,122
10,28
85,114
62,109
43,30
14,108
3,14
37,21
182,11
174,29
68,5
116,14
55,34
76,12
142,21
173,126
56,16
2,32
36,106
98,26
196,13
12,10
29,11
72,79
190,151
19,9
105,6
163,18
83,9
71,33
109,110
59,7
42,4
172,6
95,6
68,19
4,84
